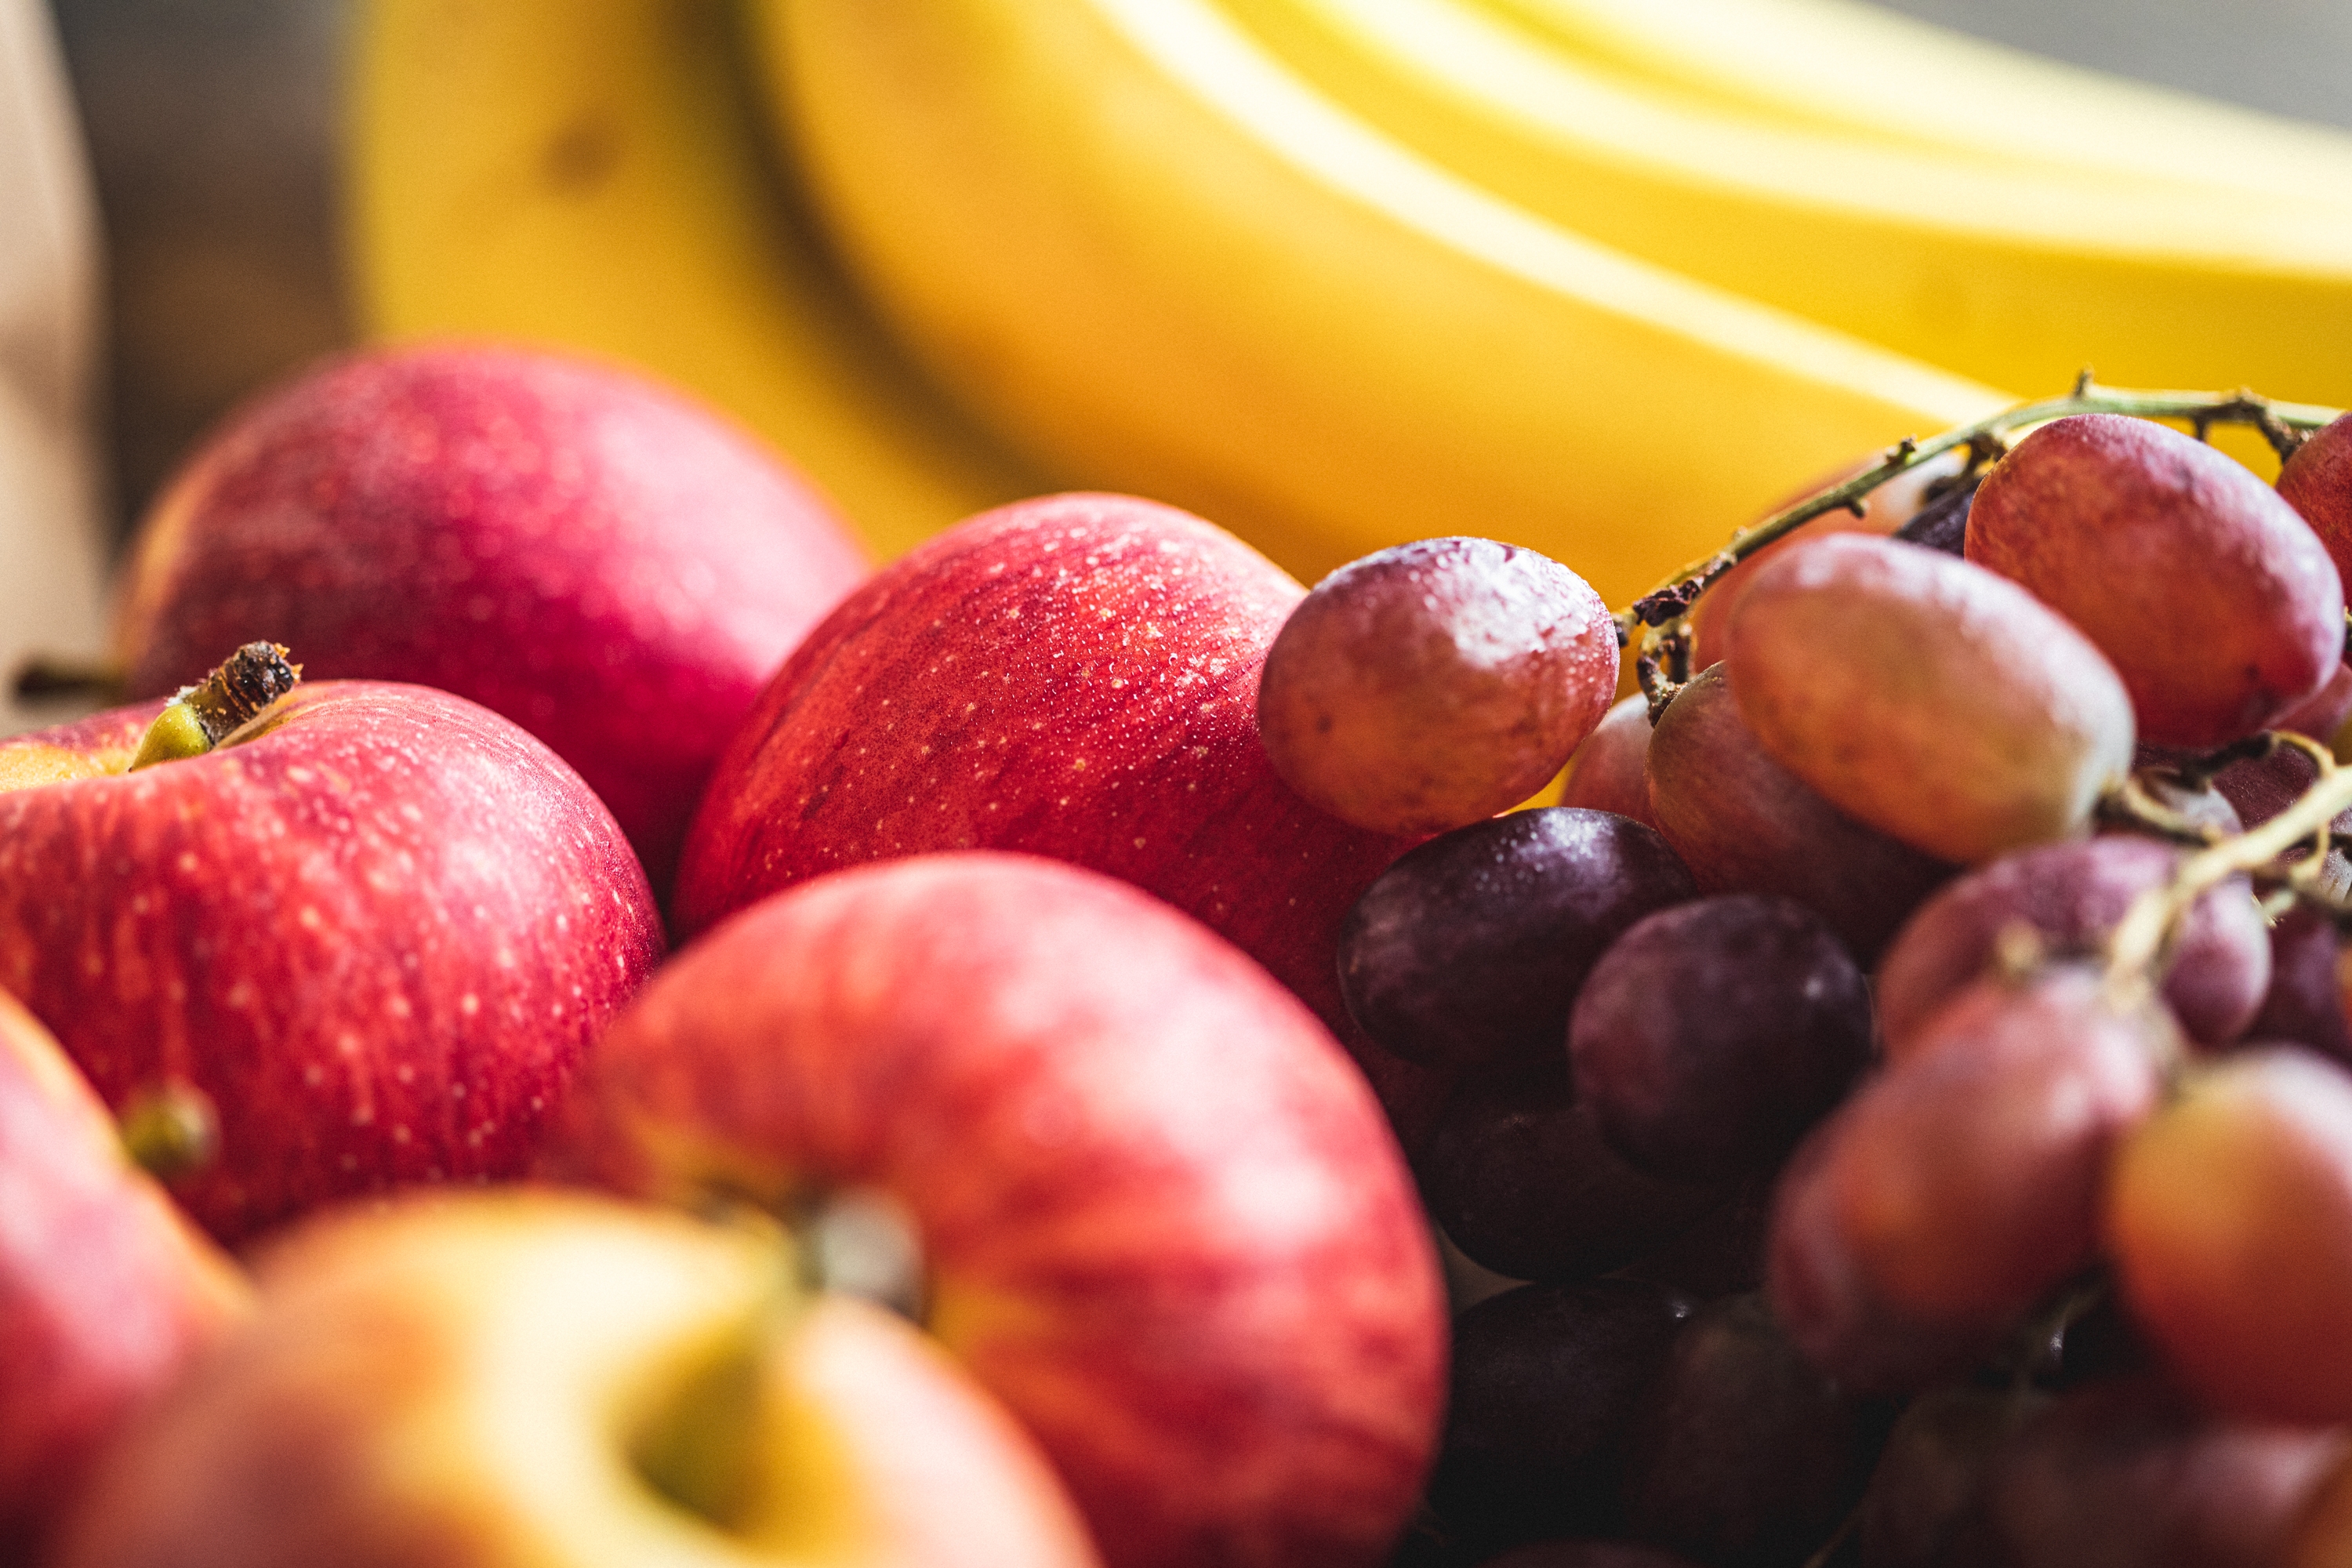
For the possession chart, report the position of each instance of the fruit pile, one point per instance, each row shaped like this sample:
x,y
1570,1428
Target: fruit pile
x,y
2031,1245
1897,1105
1892,1111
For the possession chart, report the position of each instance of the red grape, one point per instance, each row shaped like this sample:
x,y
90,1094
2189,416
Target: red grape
x,y
2230,1216
1744,824
1435,683
2070,896
2318,482
1548,1379
1743,1455
2304,1004
1929,698
1935,1207
1608,772
2216,601
2129,1474
1931,1469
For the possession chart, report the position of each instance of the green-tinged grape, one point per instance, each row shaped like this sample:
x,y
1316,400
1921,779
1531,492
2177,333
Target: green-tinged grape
x,y
2230,1218
1929,698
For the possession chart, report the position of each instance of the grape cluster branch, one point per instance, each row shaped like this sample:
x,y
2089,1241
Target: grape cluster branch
x,y
1659,620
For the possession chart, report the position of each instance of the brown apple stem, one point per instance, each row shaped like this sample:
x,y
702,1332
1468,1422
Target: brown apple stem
x,y
861,1242
169,1131
1658,620
42,676
203,715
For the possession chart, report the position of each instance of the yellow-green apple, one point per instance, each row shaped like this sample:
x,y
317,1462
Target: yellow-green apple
x,y
106,1289
611,566
1161,1217
1075,677
372,934
525,1379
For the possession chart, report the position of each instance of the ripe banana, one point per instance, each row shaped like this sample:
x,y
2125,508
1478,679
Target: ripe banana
x,y
1844,66
592,176
2016,275
1146,250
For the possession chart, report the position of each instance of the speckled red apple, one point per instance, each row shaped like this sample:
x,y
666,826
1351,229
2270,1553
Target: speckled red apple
x,y
375,932
1163,1219
1074,677
106,1289
607,564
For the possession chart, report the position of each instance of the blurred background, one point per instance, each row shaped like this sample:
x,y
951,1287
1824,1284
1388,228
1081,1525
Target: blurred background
x,y
212,128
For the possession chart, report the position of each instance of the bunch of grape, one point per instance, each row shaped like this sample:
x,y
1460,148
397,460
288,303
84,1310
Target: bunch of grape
x,y
1905,1091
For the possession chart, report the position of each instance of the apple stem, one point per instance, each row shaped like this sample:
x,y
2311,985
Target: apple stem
x,y
203,715
863,1243
169,1131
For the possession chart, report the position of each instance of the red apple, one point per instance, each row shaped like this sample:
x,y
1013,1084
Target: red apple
x,y
525,1380
614,567
1074,677
106,1289
1162,1219
375,932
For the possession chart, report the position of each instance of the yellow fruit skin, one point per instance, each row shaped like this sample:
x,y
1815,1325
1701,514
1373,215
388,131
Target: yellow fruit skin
x,y
2017,274
1157,260
1866,72
593,176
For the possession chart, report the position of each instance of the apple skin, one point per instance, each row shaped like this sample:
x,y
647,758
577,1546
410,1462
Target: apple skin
x,y
459,1382
106,1289
377,930
611,566
1163,1219
1074,677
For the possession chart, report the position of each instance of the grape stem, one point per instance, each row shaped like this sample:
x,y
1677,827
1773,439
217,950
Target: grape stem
x,y
2136,949
1659,618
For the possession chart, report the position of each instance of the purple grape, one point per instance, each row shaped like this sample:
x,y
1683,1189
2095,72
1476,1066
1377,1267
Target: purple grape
x,y
1722,1254
2304,1004
1711,1036
1519,1177
1743,1455
2127,1473
1931,1469
2261,787
1943,523
2071,896
1469,950
1547,1381
1588,1554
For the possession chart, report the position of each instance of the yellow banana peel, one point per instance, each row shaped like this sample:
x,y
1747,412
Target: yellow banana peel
x,y
1861,70
593,176
2017,276
1149,252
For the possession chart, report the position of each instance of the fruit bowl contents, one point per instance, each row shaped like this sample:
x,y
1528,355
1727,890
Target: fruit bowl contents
x,y
607,996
